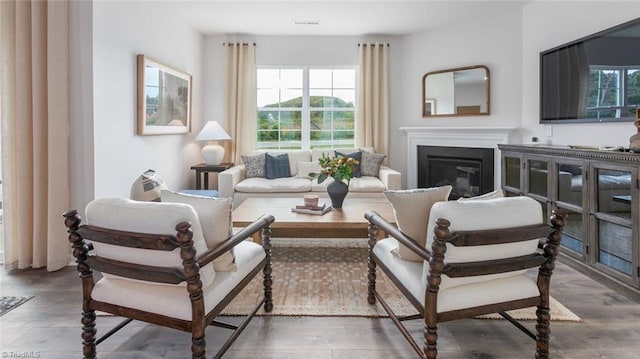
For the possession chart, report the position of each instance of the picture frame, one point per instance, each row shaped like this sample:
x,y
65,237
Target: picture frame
x,y
164,99
429,106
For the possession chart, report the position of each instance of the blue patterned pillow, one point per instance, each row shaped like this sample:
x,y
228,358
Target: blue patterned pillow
x,y
356,156
277,166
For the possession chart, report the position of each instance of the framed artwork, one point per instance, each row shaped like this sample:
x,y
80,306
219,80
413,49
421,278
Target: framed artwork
x,y
164,99
429,107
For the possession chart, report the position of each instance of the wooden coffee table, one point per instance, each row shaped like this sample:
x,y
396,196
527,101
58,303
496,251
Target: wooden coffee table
x,y
345,222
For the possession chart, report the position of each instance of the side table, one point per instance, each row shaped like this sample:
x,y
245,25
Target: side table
x,y
204,169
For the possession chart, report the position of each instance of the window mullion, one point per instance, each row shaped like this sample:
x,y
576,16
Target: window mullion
x,y
306,112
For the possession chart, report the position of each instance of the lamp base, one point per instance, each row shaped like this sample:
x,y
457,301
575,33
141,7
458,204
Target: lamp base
x,y
213,154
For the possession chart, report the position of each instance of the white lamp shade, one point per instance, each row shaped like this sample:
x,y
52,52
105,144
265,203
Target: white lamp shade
x,y
212,131
212,153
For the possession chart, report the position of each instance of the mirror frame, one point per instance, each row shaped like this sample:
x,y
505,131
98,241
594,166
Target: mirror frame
x,y
425,100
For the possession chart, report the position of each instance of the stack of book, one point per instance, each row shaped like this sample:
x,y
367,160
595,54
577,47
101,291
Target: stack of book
x,y
319,209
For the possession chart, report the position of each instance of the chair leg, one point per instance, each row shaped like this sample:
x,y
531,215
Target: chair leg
x,y
430,340
89,334
268,280
371,276
543,332
198,346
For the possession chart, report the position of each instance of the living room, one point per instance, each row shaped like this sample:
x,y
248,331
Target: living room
x,y
507,37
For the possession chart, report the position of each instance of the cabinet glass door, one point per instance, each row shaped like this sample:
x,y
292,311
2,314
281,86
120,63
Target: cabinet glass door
x,y
613,195
570,187
512,172
538,177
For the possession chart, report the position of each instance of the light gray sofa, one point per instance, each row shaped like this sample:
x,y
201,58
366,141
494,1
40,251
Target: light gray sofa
x,y
233,182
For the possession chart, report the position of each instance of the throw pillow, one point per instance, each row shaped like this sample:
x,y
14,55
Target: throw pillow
x,y
255,165
371,162
215,219
277,166
356,156
411,209
304,168
491,195
148,187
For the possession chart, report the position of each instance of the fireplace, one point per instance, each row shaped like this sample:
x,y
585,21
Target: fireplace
x,y
468,170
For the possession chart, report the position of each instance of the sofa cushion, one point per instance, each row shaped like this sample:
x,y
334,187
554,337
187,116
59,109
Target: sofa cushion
x,y
215,218
255,165
263,185
356,156
294,157
317,153
411,209
277,166
370,164
306,167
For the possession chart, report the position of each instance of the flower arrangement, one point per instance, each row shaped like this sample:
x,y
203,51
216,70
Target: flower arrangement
x,y
340,168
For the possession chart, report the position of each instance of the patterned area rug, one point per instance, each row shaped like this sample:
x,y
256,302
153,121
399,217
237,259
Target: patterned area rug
x,y
328,277
9,303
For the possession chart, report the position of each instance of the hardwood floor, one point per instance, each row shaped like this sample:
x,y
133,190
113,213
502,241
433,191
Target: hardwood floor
x,y
48,327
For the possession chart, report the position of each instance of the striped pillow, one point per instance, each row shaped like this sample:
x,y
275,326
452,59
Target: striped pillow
x,y
148,187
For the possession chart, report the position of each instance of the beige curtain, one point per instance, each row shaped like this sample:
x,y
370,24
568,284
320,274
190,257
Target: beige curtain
x,y
372,115
34,72
241,99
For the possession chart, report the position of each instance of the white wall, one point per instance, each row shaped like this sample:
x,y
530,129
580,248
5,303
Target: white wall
x,y
550,24
493,40
121,30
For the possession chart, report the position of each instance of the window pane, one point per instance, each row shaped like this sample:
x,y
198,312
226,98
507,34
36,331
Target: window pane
x,y
320,98
290,120
321,120
633,87
267,98
268,120
319,78
268,78
344,79
291,78
290,98
344,98
343,120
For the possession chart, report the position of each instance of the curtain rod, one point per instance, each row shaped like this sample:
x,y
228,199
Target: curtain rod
x,y
235,43
368,44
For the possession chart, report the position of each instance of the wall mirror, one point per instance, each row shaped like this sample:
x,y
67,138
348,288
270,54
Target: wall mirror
x,y
462,91
164,99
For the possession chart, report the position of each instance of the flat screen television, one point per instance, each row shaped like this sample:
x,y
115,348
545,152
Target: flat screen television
x,y
593,79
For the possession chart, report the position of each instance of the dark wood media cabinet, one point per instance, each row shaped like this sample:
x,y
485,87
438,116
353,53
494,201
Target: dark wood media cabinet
x,y
600,192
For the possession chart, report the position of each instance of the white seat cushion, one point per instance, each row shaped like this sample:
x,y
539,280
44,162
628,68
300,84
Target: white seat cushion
x,y
263,185
173,301
146,217
453,294
494,213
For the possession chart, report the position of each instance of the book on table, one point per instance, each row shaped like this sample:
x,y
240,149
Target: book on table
x,y
320,209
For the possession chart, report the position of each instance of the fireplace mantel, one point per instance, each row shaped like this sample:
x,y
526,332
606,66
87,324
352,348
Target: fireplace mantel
x,y
483,137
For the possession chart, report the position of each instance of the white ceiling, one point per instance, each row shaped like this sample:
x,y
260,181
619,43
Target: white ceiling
x,y
340,18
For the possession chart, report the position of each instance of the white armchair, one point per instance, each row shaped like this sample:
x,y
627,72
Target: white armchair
x,y
157,268
475,264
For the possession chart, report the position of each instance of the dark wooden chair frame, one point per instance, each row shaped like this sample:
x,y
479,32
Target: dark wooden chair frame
x,y
192,262
544,259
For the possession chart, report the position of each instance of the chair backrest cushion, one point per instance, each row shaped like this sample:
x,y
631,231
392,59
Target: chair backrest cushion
x,y
411,209
214,215
496,213
146,217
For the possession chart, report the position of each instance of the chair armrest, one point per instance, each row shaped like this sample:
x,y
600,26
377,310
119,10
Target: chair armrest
x,y
391,178
375,219
228,179
234,240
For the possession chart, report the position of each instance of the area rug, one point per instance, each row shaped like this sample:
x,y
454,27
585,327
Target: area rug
x,y
9,303
328,277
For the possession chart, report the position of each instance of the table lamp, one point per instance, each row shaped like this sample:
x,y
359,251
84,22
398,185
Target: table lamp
x,y
212,153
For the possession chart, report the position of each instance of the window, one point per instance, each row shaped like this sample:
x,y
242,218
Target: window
x,y
613,91
306,108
